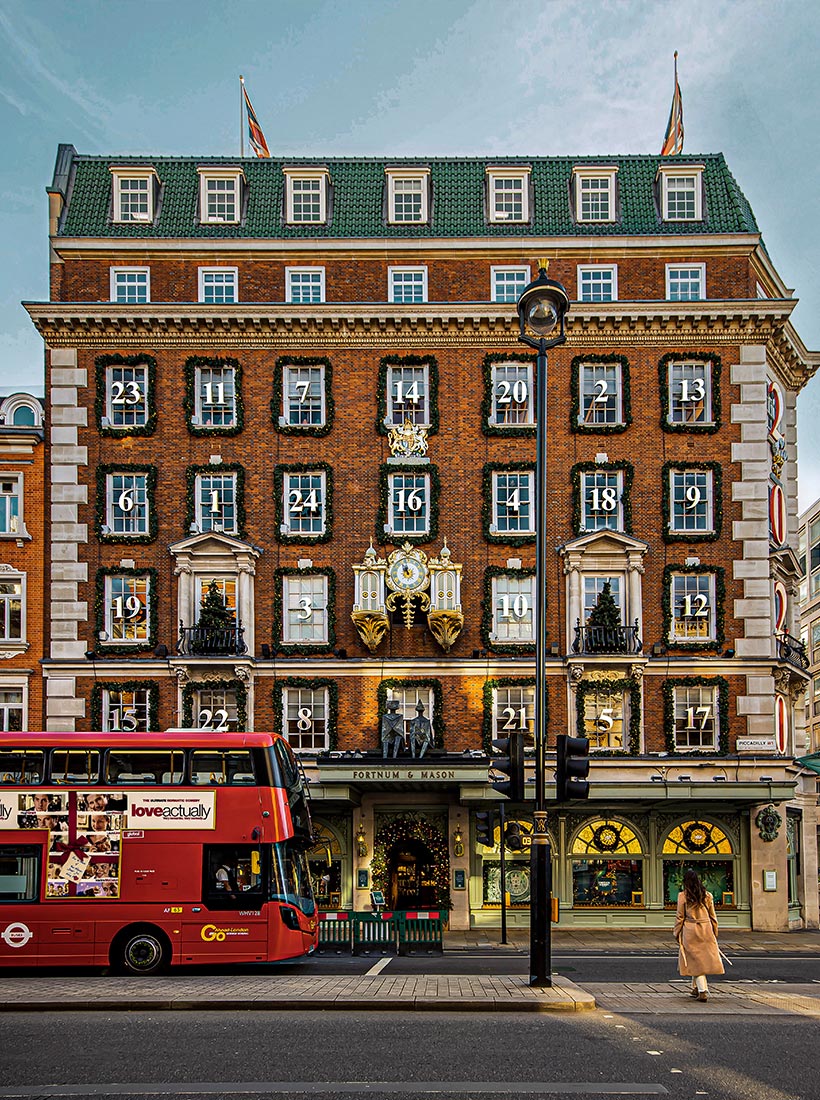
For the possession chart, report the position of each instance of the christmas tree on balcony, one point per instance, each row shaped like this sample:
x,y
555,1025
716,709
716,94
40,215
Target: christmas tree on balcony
x,y
604,626
214,632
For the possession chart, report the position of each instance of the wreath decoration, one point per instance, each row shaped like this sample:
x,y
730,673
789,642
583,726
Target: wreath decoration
x,y
413,827
697,837
607,837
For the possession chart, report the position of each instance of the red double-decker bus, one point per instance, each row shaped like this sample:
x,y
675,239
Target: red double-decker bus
x,y
141,851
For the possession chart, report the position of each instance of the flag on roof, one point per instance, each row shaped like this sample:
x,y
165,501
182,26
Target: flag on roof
x,y
255,135
673,139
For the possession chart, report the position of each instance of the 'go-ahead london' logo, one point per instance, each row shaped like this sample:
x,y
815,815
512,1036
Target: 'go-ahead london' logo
x,y
16,934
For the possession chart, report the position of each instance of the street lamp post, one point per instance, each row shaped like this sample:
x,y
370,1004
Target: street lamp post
x,y
542,308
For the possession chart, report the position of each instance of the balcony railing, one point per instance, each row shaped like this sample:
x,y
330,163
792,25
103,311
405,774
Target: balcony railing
x,y
607,639
203,641
793,651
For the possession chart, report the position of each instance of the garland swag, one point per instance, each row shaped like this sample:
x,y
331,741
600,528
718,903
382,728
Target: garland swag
x,y
717,502
279,474
625,684
107,648
101,508
575,422
488,610
719,574
303,684
191,475
509,431
603,467
389,361
303,649
149,686
507,537
277,406
436,717
663,381
412,827
234,685
488,729
189,402
102,362
722,684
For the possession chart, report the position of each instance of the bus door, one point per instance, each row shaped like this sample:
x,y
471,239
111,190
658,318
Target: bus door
x,y
231,925
20,879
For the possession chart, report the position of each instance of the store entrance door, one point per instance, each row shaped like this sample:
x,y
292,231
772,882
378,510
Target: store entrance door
x,y
410,866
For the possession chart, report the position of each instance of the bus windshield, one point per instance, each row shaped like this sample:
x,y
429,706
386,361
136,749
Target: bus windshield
x,y
290,879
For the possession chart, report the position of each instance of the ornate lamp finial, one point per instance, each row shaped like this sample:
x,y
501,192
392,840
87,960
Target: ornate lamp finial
x,y
543,264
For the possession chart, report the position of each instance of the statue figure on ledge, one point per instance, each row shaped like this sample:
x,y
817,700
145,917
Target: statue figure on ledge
x,y
392,732
420,732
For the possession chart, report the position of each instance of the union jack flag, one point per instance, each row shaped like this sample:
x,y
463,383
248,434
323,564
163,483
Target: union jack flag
x,y
673,139
255,135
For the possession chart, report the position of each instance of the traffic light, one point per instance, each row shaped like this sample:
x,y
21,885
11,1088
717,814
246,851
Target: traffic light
x,y
512,764
513,837
572,767
484,828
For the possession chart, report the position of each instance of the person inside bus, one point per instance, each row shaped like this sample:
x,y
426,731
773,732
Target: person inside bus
x,y
225,879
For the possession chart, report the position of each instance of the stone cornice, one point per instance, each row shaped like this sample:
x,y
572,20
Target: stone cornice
x,y
436,324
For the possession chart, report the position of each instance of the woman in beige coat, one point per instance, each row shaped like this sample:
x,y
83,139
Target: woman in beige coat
x,y
696,930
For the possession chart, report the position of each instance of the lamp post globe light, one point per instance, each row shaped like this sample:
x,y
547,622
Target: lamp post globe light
x,y
542,308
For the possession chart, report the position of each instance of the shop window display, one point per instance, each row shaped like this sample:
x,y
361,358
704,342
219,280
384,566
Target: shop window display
x,y
695,842
609,871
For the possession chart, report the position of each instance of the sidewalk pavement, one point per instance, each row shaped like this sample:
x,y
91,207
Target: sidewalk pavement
x,y
637,940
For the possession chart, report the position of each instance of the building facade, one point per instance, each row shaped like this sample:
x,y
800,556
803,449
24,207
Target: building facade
x,y
291,445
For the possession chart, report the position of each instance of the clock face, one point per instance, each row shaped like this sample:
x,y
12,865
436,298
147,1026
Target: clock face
x,y
406,574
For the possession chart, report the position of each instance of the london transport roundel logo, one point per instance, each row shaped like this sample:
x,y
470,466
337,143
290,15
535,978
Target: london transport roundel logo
x,y
16,934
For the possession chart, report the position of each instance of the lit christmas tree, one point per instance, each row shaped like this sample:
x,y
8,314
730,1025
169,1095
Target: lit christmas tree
x,y
606,617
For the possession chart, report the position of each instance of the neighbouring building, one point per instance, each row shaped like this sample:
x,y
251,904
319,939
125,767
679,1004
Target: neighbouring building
x,y
291,454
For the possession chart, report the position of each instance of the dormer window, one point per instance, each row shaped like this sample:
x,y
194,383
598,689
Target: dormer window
x,y
594,193
220,195
133,194
408,195
306,195
508,194
681,190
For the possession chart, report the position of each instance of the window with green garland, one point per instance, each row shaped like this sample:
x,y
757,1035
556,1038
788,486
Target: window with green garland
x,y
302,402
696,714
508,512
126,508
409,694
694,598
306,712
690,392
508,408
219,706
303,502
126,706
125,401
408,503
508,610
692,501
213,396
304,615
509,707
600,394
408,390
602,497
608,712
215,499
125,605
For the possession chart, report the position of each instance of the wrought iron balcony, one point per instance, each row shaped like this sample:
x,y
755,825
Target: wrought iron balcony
x,y
606,639
793,651
203,641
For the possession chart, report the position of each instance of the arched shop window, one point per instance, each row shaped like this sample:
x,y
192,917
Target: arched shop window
x,y
607,866
696,844
325,863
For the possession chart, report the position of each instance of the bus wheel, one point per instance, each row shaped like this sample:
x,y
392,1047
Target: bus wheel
x,y
141,951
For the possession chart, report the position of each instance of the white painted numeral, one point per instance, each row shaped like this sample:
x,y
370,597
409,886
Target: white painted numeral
x,y
300,503
508,392
704,713
125,502
603,500
125,393
700,603
216,720
122,721
513,501
305,609
408,500
515,609
302,391
693,495
305,720
516,719
602,396
215,505
214,388
694,390
407,392
605,720
127,608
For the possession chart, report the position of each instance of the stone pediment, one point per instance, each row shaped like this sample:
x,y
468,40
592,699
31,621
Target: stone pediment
x,y
604,542
213,542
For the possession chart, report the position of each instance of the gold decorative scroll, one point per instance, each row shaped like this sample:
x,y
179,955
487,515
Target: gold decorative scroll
x,y
445,626
372,627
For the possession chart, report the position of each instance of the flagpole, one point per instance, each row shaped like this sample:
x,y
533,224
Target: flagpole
x,y
242,117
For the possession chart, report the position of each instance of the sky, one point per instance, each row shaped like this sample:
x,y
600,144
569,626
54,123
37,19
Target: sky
x,y
431,78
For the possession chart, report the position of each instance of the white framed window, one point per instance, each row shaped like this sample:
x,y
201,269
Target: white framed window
x,y
685,282
215,709
408,699
127,602
691,496
692,599
602,500
593,586
600,387
304,285
513,508
594,193
408,511
13,708
216,503
514,712
304,605
133,194
11,505
513,403
127,504
305,718
506,283
408,195
303,396
407,284
605,718
305,503
131,285
597,282
513,609
126,395
220,195
697,720
681,192
12,607
690,392
306,195
125,711
214,396
218,286
408,395
508,194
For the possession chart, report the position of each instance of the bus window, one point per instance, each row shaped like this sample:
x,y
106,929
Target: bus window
x,y
233,877
22,765
290,880
222,767
153,767
19,873
285,765
75,766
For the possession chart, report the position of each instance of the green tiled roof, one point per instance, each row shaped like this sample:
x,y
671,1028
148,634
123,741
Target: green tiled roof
x,y
357,203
